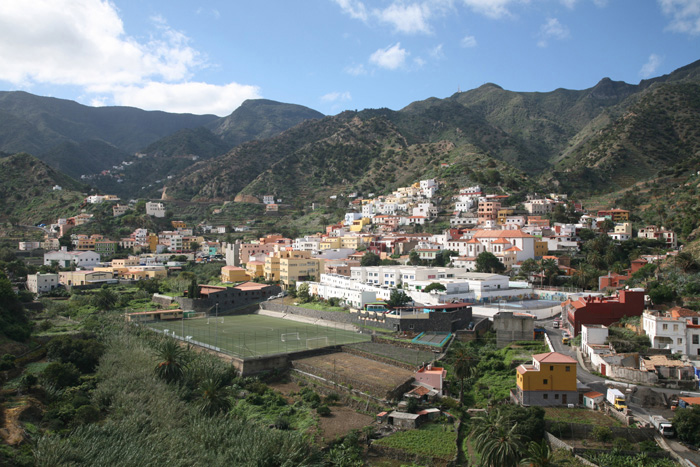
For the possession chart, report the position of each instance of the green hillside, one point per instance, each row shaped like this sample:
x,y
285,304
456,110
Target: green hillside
x,y
27,195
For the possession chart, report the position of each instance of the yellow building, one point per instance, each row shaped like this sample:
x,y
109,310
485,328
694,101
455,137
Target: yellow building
x,y
152,242
503,213
358,224
292,266
126,263
330,243
178,224
355,241
549,380
234,274
541,248
255,269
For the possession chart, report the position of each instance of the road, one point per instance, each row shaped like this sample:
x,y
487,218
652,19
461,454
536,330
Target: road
x,y
597,383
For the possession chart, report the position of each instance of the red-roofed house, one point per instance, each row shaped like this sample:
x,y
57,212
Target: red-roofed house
x,y
549,380
602,310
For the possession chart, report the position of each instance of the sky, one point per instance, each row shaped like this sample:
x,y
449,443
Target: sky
x,y
207,57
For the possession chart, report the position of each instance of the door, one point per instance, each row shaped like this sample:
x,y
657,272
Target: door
x,y
563,399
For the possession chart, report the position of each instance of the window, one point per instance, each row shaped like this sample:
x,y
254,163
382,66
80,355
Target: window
x,y
696,339
551,367
568,368
680,340
545,396
665,327
556,396
545,381
675,327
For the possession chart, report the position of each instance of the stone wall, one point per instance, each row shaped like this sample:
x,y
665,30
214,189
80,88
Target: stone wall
x,y
362,386
378,358
478,330
438,321
565,430
630,374
404,344
337,316
228,300
162,300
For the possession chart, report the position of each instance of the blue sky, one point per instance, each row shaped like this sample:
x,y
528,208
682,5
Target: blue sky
x,y
332,55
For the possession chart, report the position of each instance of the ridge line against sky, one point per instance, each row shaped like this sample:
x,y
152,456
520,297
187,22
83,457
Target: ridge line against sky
x,y
332,55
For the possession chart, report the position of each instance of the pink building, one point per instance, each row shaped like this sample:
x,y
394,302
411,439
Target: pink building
x,y
431,376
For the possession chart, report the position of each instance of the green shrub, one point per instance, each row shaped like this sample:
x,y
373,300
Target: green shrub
x,y
7,362
87,414
61,375
602,434
323,410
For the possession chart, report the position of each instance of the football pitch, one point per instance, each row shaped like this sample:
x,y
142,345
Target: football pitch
x,y
256,335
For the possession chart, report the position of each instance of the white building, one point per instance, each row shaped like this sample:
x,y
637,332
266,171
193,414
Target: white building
x,y
678,331
539,206
593,337
155,209
654,232
41,283
28,246
622,232
428,188
307,243
64,258
350,217
268,199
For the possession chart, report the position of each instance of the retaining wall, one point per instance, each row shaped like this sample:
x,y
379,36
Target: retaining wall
x,y
579,430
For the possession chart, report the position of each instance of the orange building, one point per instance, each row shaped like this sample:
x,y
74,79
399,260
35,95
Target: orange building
x,y
549,380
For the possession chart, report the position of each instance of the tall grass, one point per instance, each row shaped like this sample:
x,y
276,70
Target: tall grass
x,y
148,423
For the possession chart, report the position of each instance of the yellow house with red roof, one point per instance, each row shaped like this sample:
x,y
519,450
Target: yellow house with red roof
x,y
549,380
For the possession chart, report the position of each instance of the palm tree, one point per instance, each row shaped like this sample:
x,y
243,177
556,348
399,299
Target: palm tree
x,y
538,455
549,269
464,364
497,441
171,357
686,262
213,396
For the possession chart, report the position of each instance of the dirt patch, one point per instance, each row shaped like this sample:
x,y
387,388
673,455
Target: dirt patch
x,y
583,416
351,368
340,422
285,388
12,431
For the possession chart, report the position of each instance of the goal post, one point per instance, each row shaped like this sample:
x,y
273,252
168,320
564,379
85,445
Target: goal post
x,y
317,342
290,336
194,315
215,320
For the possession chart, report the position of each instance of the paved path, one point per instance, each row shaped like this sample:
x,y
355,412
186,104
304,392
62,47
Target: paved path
x,y
597,383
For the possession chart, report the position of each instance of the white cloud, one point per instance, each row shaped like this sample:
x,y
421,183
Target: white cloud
x,y
419,62
490,8
390,58
188,97
568,3
336,96
404,18
83,43
437,53
468,42
356,70
355,9
685,15
552,29
650,67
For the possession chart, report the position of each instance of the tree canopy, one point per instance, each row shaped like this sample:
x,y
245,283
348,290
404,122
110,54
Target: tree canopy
x,y
487,262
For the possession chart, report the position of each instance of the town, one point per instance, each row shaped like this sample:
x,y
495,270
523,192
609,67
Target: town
x,y
540,313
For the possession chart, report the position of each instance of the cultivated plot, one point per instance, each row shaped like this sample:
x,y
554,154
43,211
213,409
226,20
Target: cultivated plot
x,y
256,335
